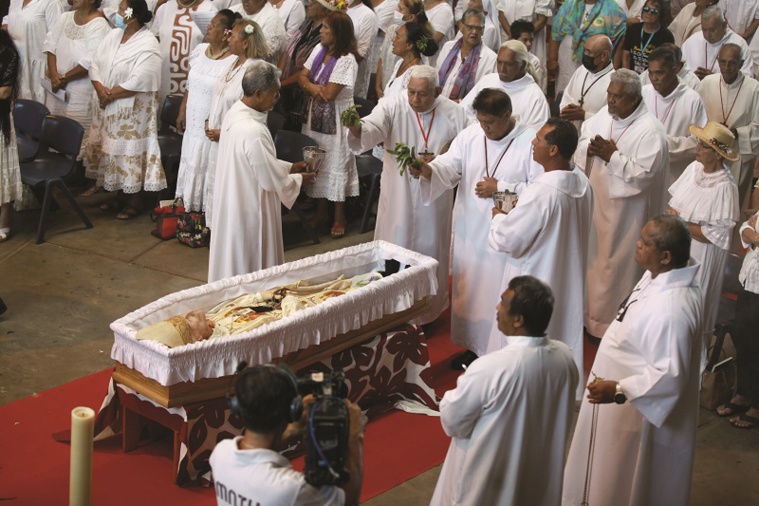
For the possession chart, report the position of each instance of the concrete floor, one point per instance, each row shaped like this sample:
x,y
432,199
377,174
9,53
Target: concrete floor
x,y
63,294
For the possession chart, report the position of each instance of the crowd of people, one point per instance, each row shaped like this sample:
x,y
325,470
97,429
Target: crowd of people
x,y
629,191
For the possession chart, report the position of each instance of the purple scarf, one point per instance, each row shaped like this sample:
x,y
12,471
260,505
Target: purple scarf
x,y
323,115
465,79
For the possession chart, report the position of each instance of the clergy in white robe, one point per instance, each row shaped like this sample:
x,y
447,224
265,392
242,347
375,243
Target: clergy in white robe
x,y
267,17
365,25
732,99
647,404
514,77
510,413
494,153
585,93
426,120
28,23
251,184
685,74
623,150
546,235
676,106
701,50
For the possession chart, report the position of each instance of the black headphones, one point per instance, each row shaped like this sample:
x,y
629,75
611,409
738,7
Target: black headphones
x,y
296,405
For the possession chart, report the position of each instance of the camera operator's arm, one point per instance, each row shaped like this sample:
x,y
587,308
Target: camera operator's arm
x,y
352,487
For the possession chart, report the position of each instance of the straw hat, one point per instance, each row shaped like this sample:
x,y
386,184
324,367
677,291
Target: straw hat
x,y
718,137
334,5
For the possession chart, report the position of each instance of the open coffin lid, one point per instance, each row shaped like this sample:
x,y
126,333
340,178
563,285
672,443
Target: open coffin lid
x,y
219,357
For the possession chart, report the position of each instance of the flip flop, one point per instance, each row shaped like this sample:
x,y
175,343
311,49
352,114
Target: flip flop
x,y
730,409
128,213
92,190
751,422
338,230
5,233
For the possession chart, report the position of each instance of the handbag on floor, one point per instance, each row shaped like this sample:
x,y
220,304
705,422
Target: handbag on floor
x,y
718,378
166,216
192,230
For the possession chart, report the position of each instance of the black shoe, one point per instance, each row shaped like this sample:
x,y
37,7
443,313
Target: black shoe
x,y
462,361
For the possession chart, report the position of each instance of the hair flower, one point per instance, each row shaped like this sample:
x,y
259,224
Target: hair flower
x,y
421,44
128,13
249,29
341,5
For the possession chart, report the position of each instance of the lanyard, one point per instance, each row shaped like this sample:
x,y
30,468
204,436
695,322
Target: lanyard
x,y
706,57
425,136
656,110
584,91
611,130
722,105
487,164
642,47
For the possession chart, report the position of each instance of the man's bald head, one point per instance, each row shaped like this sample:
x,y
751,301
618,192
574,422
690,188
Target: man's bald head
x,y
599,46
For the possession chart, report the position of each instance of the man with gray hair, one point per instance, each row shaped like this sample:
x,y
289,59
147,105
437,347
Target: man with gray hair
x,y
623,151
515,77
701,49
426,120
251,184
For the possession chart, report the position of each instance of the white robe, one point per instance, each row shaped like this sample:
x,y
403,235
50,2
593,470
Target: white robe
x,y
441,20
697,52
644,448
719,97
529,10
740,13
527,99
365,24
628,191
486,65
509,417
546,236
677,111
710,201
402,217
477,268
593,85
272,26
685,24
28,27
251,185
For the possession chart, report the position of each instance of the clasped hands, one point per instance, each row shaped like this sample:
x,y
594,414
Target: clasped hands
x,y
572,112
601,148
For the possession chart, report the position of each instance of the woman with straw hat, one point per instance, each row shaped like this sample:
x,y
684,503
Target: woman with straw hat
x,y
706,197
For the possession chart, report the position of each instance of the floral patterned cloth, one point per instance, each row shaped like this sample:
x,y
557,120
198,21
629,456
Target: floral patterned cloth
x,y
572,20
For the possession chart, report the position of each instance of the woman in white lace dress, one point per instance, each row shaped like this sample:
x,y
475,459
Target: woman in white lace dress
x,y
10,176
409,11
246,43
208,63
122,151
706,197
70,47
327,79
410,43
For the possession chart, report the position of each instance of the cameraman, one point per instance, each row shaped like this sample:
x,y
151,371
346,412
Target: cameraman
x,y
249,470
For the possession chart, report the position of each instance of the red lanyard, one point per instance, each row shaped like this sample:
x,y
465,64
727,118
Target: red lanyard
x,y
611,130
722,105
706,57
487,165
656,110
425,136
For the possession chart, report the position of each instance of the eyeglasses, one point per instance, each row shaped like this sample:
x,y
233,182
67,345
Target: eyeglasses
x,y
653,11
475,28
704,144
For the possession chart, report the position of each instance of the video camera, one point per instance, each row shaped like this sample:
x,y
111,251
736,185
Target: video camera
x,y
327,428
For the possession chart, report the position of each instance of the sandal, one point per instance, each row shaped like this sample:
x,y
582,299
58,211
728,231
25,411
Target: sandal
x,y
338,230
111,206
92,190
745,421
128,213
5,233
730,409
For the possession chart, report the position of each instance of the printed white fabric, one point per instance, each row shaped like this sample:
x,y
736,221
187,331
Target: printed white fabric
x,y
10,173
220,357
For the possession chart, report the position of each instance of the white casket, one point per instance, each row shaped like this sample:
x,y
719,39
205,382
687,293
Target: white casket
x,y
201,370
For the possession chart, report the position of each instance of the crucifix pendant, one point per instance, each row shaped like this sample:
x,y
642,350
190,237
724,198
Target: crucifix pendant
x,y
582,101
426,154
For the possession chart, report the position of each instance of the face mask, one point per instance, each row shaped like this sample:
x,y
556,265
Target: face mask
x,y
118,20
588,63
398,17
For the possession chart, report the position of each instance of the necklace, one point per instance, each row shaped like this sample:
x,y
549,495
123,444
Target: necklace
x,y
611,130
236,69
706,57
498,162
584,91
426,136
212,56
644,47
656,110
722,105
186,5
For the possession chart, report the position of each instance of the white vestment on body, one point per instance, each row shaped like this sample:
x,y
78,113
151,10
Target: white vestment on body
x,y
644,448
676,112
402,217
546,236
441,19
28,26
365,24
628,191
293,14
589,88
486,65
477,268
251,186
529,10
700,53
740,13
509,418
272,26
527,99
736,105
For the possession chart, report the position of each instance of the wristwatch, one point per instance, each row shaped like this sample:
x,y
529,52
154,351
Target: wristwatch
x,y
619,396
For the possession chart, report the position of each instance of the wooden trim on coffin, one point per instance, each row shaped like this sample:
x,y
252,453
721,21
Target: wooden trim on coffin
x,y
187,392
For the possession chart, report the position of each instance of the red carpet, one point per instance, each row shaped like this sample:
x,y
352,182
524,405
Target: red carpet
x,y
34,468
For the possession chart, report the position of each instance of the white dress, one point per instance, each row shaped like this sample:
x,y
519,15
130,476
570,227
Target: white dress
x,y
441,19
398,84
293,14
202,79
365,29
10,174
228,90
75,45
179,36
529,10
28,27
337,177
122,151
385,19
711,201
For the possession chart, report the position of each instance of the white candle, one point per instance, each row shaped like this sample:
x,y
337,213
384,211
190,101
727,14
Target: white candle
x,y
80,478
